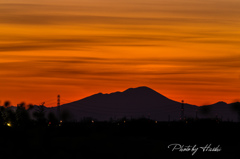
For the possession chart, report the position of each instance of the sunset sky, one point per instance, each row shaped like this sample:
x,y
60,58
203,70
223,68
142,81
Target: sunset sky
x,y
184,49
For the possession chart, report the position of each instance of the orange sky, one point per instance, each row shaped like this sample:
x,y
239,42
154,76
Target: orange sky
x,y
184,49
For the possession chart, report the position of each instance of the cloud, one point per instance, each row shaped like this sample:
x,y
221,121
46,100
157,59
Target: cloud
x,y
139,14
77,42
62,19
75,67
117,29
42,26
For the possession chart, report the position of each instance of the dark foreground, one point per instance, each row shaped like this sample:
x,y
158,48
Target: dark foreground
x,y
119,140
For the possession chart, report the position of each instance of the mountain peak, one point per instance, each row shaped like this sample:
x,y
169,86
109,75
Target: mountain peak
x,y
141,88
220,102
144,91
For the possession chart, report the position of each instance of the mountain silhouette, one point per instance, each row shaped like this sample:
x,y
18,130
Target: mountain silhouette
x,y
222,111
135,103
131,103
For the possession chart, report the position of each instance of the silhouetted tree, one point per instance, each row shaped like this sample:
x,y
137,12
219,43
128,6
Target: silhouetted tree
x,y
30,106
8,114
22,114
6,104
40,114
3,114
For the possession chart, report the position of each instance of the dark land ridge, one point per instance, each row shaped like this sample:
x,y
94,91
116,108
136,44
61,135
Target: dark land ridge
x,y
141,102
134,124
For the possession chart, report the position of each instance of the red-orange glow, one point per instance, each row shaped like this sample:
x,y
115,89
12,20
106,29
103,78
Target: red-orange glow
x,y
182,49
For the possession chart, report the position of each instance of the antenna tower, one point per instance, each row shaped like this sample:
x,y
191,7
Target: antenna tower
x,y
58,106
182,111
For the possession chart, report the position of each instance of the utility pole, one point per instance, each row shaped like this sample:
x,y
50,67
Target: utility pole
x,y
58,107
182,111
